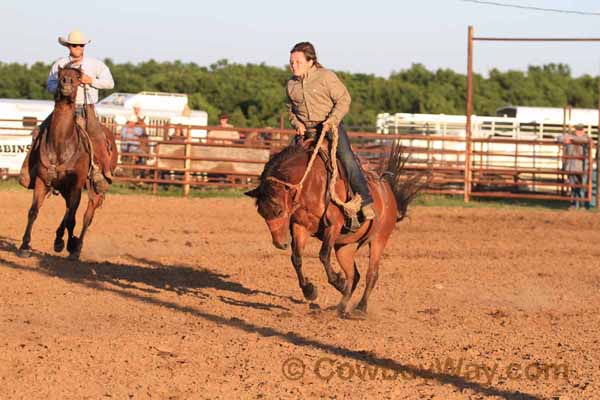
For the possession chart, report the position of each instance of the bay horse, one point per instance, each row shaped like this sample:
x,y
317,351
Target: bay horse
x,y
61,159
293,214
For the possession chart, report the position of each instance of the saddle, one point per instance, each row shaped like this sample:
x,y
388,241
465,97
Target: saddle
x,y
351,222
54,170
49,159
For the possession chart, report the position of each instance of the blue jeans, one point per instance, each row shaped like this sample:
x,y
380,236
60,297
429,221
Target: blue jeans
x,y
577,193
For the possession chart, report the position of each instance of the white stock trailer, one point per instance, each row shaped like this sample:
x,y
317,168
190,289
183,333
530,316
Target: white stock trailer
x,y
18,117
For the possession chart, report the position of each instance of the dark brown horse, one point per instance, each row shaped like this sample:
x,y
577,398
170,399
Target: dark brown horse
x,y
293,217
61,163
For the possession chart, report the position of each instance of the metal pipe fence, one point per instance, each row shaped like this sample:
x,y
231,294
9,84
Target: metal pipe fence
x,y
485,167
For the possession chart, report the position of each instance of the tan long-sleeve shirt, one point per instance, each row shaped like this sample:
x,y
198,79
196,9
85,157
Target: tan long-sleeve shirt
x,y
317,97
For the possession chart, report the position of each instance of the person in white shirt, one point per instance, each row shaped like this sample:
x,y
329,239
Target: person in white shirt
x,y
95,76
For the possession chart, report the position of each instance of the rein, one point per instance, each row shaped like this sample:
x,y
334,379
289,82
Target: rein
x,y
55,170
298,186
277,222
350,207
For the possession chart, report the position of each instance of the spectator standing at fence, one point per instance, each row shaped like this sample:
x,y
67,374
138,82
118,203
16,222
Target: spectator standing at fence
x,y
575,164
223,136
141,122
131,134
139,117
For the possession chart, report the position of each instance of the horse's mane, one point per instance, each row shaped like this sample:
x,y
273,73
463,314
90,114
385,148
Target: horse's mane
x,y
274,168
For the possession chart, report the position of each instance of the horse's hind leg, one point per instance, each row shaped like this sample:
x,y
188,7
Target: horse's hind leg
x,y
375,252
39,194
345,256
93,203
299,237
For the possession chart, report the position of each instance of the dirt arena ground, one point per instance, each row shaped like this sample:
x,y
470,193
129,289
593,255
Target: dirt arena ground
x,y
177,299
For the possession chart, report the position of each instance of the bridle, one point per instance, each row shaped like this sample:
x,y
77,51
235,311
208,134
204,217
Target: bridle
x,y
70,65
276,223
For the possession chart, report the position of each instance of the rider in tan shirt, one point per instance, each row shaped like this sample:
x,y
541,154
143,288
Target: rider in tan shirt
x,y
318,101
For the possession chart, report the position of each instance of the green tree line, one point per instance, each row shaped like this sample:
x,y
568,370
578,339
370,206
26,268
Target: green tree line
x,y
254,95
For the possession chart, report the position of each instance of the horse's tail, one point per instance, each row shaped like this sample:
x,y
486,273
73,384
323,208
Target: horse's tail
x,y
404,186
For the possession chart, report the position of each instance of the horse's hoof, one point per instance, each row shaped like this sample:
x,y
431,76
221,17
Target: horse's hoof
x,y
359,314
73,245
59,245
310,292
355,315
345,315
74,256
24,253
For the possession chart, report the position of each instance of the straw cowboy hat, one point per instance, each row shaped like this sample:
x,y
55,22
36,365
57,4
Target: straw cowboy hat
x,y
75,37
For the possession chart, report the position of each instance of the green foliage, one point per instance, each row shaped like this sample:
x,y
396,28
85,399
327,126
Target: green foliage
x,y
254,94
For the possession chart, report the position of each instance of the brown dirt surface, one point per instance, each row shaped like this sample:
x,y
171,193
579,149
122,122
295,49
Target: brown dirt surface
x,y
178,299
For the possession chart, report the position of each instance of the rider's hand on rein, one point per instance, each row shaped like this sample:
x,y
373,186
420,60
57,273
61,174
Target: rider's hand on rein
x,y
86,79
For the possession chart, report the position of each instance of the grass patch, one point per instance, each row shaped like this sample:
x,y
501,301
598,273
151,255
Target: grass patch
x,y
174,191
11,185
122,188
431,200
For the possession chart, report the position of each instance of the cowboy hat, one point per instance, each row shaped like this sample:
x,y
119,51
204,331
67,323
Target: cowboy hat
x,y
75,37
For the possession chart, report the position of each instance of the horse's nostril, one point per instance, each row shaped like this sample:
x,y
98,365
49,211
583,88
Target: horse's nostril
x,y
280,246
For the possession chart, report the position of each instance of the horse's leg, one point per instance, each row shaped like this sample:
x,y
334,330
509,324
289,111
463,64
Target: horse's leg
x,y
73,199
299,237
345,256
375,251
39,194
59,243
329,237
93,203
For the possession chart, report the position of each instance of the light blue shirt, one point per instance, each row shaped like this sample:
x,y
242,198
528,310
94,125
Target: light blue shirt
x,y
96,69
130,138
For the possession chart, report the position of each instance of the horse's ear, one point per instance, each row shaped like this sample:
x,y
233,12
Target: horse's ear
x,y
252,193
